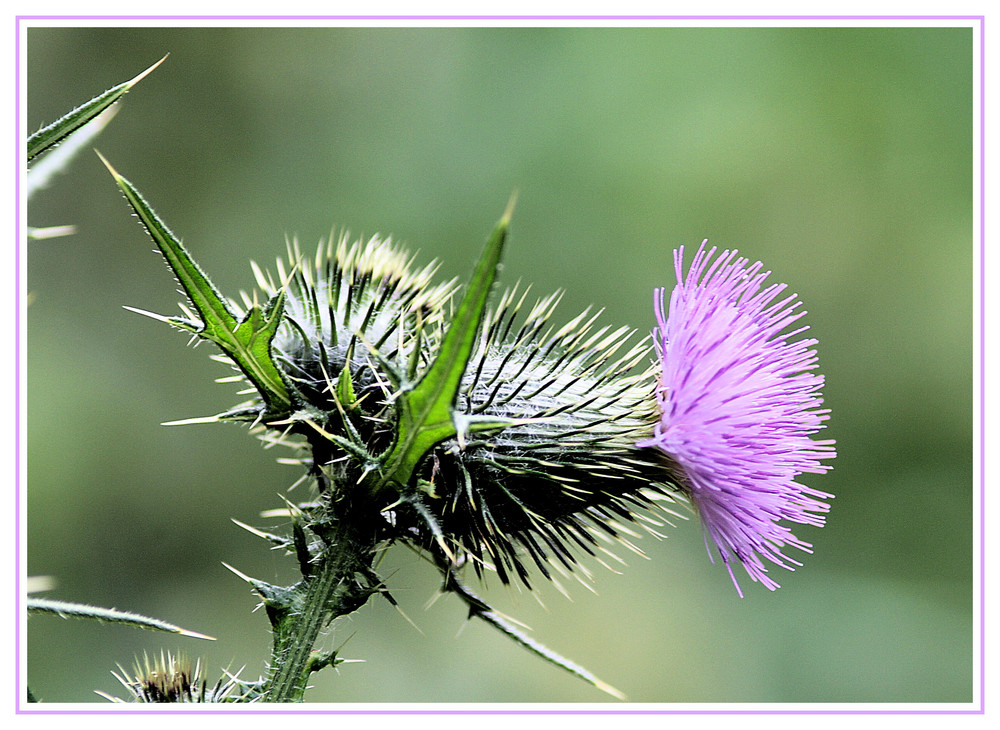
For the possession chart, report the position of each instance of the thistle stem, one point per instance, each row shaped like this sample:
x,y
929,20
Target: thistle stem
x,y
329,591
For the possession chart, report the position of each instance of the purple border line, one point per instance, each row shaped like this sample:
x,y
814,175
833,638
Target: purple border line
x,y
982,364
981,710
980,18
19,149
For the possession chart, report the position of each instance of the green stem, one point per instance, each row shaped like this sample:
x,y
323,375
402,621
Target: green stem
x,y
326,594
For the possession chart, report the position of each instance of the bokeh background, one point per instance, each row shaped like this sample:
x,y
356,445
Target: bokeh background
x,y
842,158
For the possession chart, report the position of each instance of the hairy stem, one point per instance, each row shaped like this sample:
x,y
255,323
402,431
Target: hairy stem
x,y
330,591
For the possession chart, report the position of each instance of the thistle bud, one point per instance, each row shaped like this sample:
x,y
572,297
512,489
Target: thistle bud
x,y
173,679
559,480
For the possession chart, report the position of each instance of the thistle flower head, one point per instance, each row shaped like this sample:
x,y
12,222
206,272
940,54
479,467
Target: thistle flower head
x,y
739,401
353,298
172,679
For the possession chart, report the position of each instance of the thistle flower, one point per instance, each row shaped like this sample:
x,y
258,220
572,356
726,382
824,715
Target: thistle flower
x,y
738,403
477,434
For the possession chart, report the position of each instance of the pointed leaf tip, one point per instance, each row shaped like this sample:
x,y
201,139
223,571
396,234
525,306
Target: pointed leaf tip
x,y
238,573
113,171
132,82
196,635
508,212
51,135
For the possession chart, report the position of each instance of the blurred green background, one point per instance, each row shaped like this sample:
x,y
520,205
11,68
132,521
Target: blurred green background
x,y
842,158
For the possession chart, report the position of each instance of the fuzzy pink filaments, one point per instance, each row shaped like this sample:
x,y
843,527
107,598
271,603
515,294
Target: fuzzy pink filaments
x,y
739,403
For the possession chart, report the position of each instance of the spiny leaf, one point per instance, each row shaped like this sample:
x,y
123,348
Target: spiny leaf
x,y
278,600
480,609
247,342
52,134
426,407
109,615
276,540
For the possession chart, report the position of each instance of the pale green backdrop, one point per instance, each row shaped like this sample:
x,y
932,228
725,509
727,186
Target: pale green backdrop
x,y
840,157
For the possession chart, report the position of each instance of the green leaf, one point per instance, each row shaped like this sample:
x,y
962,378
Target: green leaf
x,y
109,615
426,407
51,135
247,342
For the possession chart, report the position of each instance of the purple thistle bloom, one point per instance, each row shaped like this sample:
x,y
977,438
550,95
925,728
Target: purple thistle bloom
x,y
738,403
